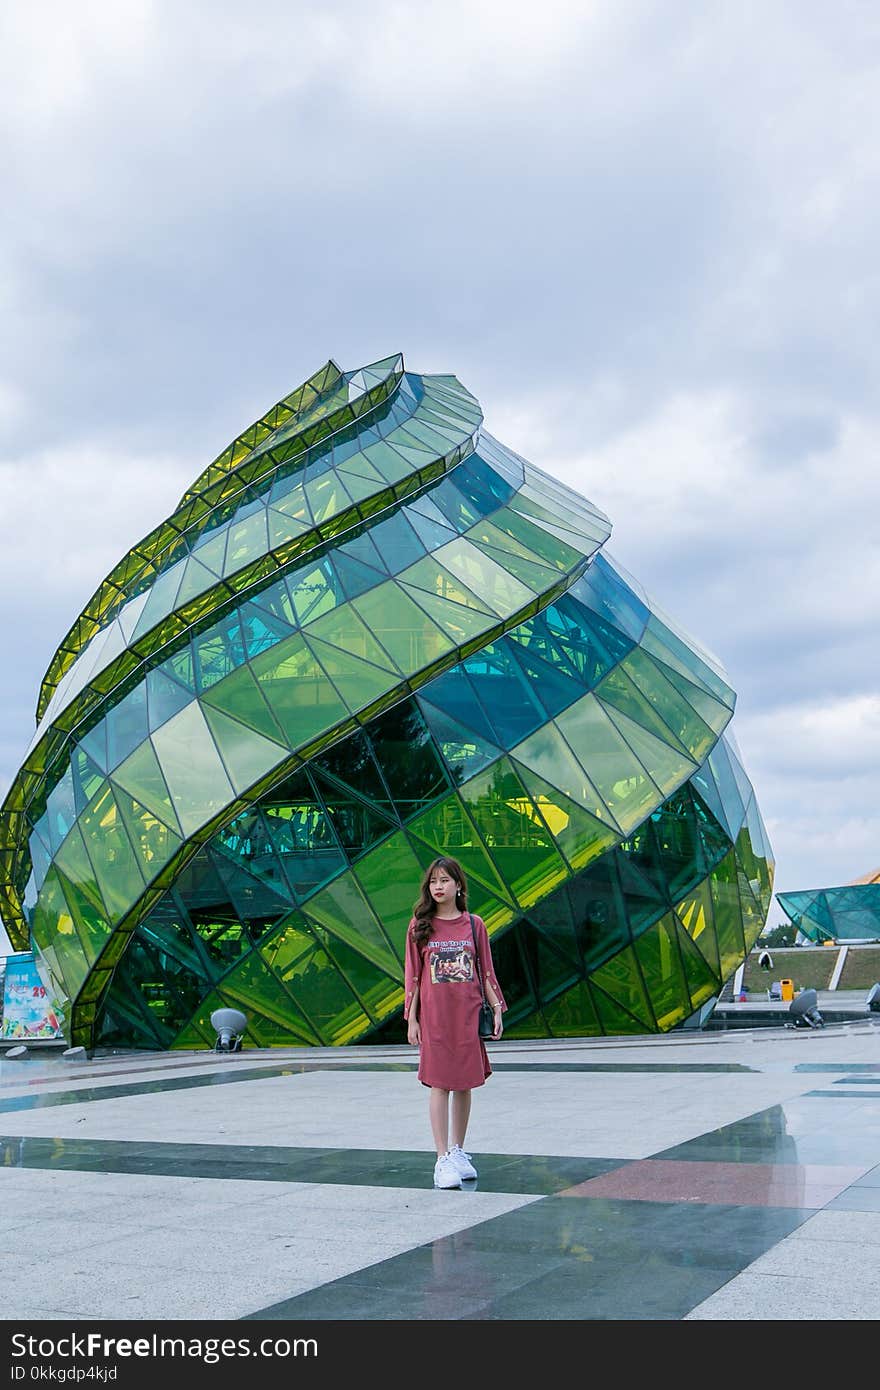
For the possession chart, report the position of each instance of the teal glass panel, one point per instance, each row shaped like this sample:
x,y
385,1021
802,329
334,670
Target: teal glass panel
x,y
302,833
314,590
164,698
240,696
405,631
507,697
453,693
87,778
127,725
463,752
154,843
552,918
359,683
409,761
357,823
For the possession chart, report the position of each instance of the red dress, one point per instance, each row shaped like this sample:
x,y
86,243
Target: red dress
x,y
451,1054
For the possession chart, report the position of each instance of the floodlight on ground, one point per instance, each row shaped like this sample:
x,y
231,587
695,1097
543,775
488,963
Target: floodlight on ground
x,y
804,1009
229,1025
872,1000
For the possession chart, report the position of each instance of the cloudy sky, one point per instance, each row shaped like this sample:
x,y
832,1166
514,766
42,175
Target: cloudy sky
x,y
643,234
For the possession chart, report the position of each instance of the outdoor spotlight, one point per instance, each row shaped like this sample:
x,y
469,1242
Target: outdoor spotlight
x,y
872,1000
765,960
229,1025
804,1010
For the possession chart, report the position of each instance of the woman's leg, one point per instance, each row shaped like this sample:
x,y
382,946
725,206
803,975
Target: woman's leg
x,y
438,1106
461,1113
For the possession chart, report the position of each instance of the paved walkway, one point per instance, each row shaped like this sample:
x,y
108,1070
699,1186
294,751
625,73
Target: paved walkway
x,y
698,1176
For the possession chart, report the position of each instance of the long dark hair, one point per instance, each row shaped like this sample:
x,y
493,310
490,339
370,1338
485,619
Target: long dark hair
x,y
424,906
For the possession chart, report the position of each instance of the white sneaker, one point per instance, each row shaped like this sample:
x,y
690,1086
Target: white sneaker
x,y
446,1172
462,1162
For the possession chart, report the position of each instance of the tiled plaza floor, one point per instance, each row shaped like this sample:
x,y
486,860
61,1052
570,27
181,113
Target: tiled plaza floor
x,y
698,1176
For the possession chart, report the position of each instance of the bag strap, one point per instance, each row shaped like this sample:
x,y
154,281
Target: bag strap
x,y
477,958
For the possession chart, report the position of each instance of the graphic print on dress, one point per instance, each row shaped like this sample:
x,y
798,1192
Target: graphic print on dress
x,y
451,963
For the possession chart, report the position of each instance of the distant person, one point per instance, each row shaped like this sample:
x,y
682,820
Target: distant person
x,y
447,950
765,960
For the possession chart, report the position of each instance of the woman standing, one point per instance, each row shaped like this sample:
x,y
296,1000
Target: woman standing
x,y
447,951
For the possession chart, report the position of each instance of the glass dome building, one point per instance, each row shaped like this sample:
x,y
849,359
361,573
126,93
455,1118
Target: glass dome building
x,y
369,634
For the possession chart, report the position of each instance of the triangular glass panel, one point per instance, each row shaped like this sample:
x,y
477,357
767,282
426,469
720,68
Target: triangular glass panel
x,y
460,623
154,843
464,752
141,777
239,696
345,912
667,766
702,979
431,533
266,1002
357,823
552,918
580,836
573,1014
164,697
695,912
94,744
359,682
247,755
615,1020
658,955
621,978
87,778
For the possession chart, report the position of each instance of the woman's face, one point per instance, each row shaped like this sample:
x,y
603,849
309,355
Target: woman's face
x,y
443,888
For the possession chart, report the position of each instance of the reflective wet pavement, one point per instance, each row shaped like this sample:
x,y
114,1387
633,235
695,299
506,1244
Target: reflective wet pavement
x,y
716,1176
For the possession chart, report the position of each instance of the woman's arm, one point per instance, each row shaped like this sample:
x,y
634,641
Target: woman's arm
x,y
496,1009
414,1032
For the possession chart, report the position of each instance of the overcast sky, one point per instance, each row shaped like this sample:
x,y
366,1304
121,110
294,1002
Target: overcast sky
x,y
643,234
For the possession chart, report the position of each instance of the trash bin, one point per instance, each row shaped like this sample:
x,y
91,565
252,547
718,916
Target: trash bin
x,y
787,987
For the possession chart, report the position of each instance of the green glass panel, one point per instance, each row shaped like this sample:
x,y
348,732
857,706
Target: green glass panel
x,y
728,916
345,912
499,590
461,624
212,552
344,630
246,755
390,876
533,1026
690,730
312,980
547,753
658,956
404,629
358,682
572,1014
154,843
239,695
620,978
431,578
92,927
251,984
550,971
196,777
196,579
618,692
291,502
616,773
283,528
379,995
667,767
357,823
55,934
141,777
518,839
448,829
535,576
753,914
77,866
702,984
313,591
326,496
697,917
614,1019
193,1039
672,651
119,875
711,710
387,461
298,690
248,540
580,836
556,553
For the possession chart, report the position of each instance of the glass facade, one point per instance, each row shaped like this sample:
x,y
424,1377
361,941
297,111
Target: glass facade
x,y
850,913
370,634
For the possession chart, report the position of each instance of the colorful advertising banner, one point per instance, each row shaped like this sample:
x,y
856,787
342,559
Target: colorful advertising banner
x,y
29,1012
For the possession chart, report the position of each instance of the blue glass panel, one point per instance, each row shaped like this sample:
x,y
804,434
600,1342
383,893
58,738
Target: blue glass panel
x,y
505,694
453,693
601,589
398,542
483,488
127,725
218,651
164,697
405,752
